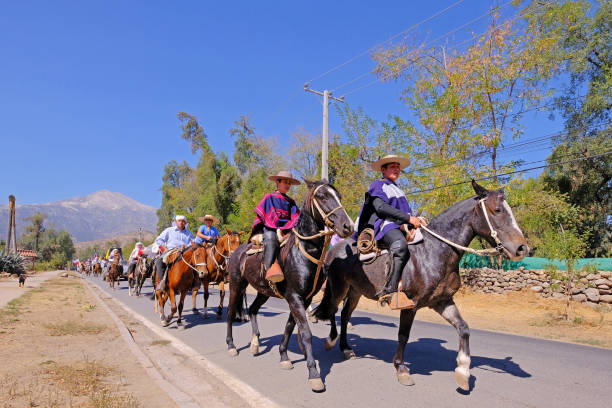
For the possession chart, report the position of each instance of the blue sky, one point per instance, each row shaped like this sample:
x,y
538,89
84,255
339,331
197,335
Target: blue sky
x,y
89,91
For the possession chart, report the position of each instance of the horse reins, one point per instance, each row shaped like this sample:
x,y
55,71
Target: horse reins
x,y
225,258
189,265
327,234
499,247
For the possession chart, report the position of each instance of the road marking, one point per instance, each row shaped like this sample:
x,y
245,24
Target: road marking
x,y
251,396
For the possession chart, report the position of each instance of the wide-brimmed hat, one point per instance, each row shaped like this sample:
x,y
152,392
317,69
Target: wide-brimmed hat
x,y
285,175
392,158
208,217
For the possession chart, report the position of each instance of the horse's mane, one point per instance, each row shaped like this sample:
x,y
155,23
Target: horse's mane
x,y
448,214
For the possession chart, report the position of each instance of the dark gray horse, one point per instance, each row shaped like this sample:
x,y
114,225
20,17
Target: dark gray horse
x,y
430,278
303,273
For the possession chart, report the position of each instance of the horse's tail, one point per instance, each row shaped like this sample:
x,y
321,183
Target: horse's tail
x,y
327,308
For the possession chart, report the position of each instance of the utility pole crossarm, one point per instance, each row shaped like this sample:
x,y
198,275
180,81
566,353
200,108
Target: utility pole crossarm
x,y
324,134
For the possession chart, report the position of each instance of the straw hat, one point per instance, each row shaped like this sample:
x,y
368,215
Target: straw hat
x,y
285,175
392,158
208,217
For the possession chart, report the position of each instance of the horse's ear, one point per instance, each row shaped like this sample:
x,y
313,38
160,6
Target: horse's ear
x,y
309,184
228,230
240,233
479,190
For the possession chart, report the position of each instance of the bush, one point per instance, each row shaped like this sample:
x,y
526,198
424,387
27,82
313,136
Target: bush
x,y
12,263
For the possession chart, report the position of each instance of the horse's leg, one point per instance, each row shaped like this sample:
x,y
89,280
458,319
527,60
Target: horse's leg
x,y
260,299
194,297
235,302
298,310
406,319
163,297
285,363
221,297
172,304
450,312
350,303
179,322
206,295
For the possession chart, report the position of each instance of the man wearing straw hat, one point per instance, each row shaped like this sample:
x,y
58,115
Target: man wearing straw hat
x,y
207,233
276,211
386,210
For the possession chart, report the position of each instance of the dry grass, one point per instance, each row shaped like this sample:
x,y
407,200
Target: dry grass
x,y
160,342
71,328
44,368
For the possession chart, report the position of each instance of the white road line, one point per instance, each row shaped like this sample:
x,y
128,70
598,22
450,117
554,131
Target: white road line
x,y
251,396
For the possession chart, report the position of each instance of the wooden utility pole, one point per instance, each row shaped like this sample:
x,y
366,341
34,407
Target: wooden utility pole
x,y
325,132
11,235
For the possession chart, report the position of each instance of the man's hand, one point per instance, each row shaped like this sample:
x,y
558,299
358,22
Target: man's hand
x,y
416,222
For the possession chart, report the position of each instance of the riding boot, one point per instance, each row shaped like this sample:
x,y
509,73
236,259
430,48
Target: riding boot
x,y
160,270
389,294
271,268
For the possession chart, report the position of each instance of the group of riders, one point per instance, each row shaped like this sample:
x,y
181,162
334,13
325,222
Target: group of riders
x,y
385,210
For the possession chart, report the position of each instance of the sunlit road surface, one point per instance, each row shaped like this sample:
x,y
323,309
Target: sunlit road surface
x,y
507,370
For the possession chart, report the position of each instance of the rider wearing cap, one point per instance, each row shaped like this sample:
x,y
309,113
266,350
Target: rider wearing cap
x,y
385,210
276,210
207,233
176,236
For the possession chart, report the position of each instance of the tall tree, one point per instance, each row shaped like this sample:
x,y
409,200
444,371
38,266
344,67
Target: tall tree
x,y
193,132
35,229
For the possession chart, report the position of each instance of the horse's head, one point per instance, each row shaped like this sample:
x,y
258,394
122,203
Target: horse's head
x,y
323,201
229,242
501,223
198,259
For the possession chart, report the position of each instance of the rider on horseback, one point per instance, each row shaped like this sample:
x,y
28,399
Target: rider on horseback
x,y
276,210
136,253
207,233
386,210
172,237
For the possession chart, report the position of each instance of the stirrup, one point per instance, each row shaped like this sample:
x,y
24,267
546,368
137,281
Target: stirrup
x,y
275,274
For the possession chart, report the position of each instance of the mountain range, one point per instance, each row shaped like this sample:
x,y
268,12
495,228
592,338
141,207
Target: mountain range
x,y
103,214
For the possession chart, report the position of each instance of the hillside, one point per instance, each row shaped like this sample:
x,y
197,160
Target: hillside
x,y
100,215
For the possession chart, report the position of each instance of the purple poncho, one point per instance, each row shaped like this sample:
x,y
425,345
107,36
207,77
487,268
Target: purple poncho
x,y
276,210
391,194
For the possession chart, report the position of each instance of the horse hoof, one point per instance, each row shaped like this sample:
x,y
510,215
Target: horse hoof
x,y
313,319
165,323
195,311
462,380
349,355
329,343
219,316
180,326
316,385
286,365
404,377
232,352
254,345
349,326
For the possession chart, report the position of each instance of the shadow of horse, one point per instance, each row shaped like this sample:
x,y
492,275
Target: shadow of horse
x,y
424,356
192,319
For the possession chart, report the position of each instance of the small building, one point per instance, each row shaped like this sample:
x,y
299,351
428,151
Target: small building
x,y
28,255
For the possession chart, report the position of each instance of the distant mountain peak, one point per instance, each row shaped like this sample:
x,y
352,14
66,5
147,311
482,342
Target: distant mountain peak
x,y
98,215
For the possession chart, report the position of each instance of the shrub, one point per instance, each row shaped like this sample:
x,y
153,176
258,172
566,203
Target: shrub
x,y
12,263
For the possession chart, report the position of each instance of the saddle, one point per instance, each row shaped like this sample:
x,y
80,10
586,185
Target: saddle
x,y
369,249
171,256
257,242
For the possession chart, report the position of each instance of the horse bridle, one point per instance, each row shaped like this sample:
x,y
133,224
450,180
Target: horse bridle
x,y
225,258
327,234
499,247
188,264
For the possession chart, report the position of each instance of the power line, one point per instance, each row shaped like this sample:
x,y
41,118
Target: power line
x,y
427,44
510,173
386,41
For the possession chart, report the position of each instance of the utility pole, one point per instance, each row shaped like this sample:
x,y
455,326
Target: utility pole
x,y
140,234
11,236
325,133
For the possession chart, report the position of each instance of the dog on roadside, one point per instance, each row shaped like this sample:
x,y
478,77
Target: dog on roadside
x,y
22,278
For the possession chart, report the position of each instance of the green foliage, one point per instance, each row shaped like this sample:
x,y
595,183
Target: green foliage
x,y
12,263
33,231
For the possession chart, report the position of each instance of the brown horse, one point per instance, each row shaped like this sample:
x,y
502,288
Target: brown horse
x,y
113,274
179,280
97,269
216,265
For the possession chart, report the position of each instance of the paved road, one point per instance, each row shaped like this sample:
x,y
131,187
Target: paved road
x,y
506,370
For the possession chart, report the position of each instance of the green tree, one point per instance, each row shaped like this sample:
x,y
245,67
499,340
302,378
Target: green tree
x,y
176,177
193,132
228,187
33,231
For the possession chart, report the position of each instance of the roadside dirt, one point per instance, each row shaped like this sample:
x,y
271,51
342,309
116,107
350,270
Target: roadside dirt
x,y
521,313
59,348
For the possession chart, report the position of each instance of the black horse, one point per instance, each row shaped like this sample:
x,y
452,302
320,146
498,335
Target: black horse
x,y
430,278
301,261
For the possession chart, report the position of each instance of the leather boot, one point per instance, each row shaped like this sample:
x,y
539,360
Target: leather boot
x,y
272,269
389,294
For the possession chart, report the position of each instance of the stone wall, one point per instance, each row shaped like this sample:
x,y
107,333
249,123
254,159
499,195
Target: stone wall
x,y
592,288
